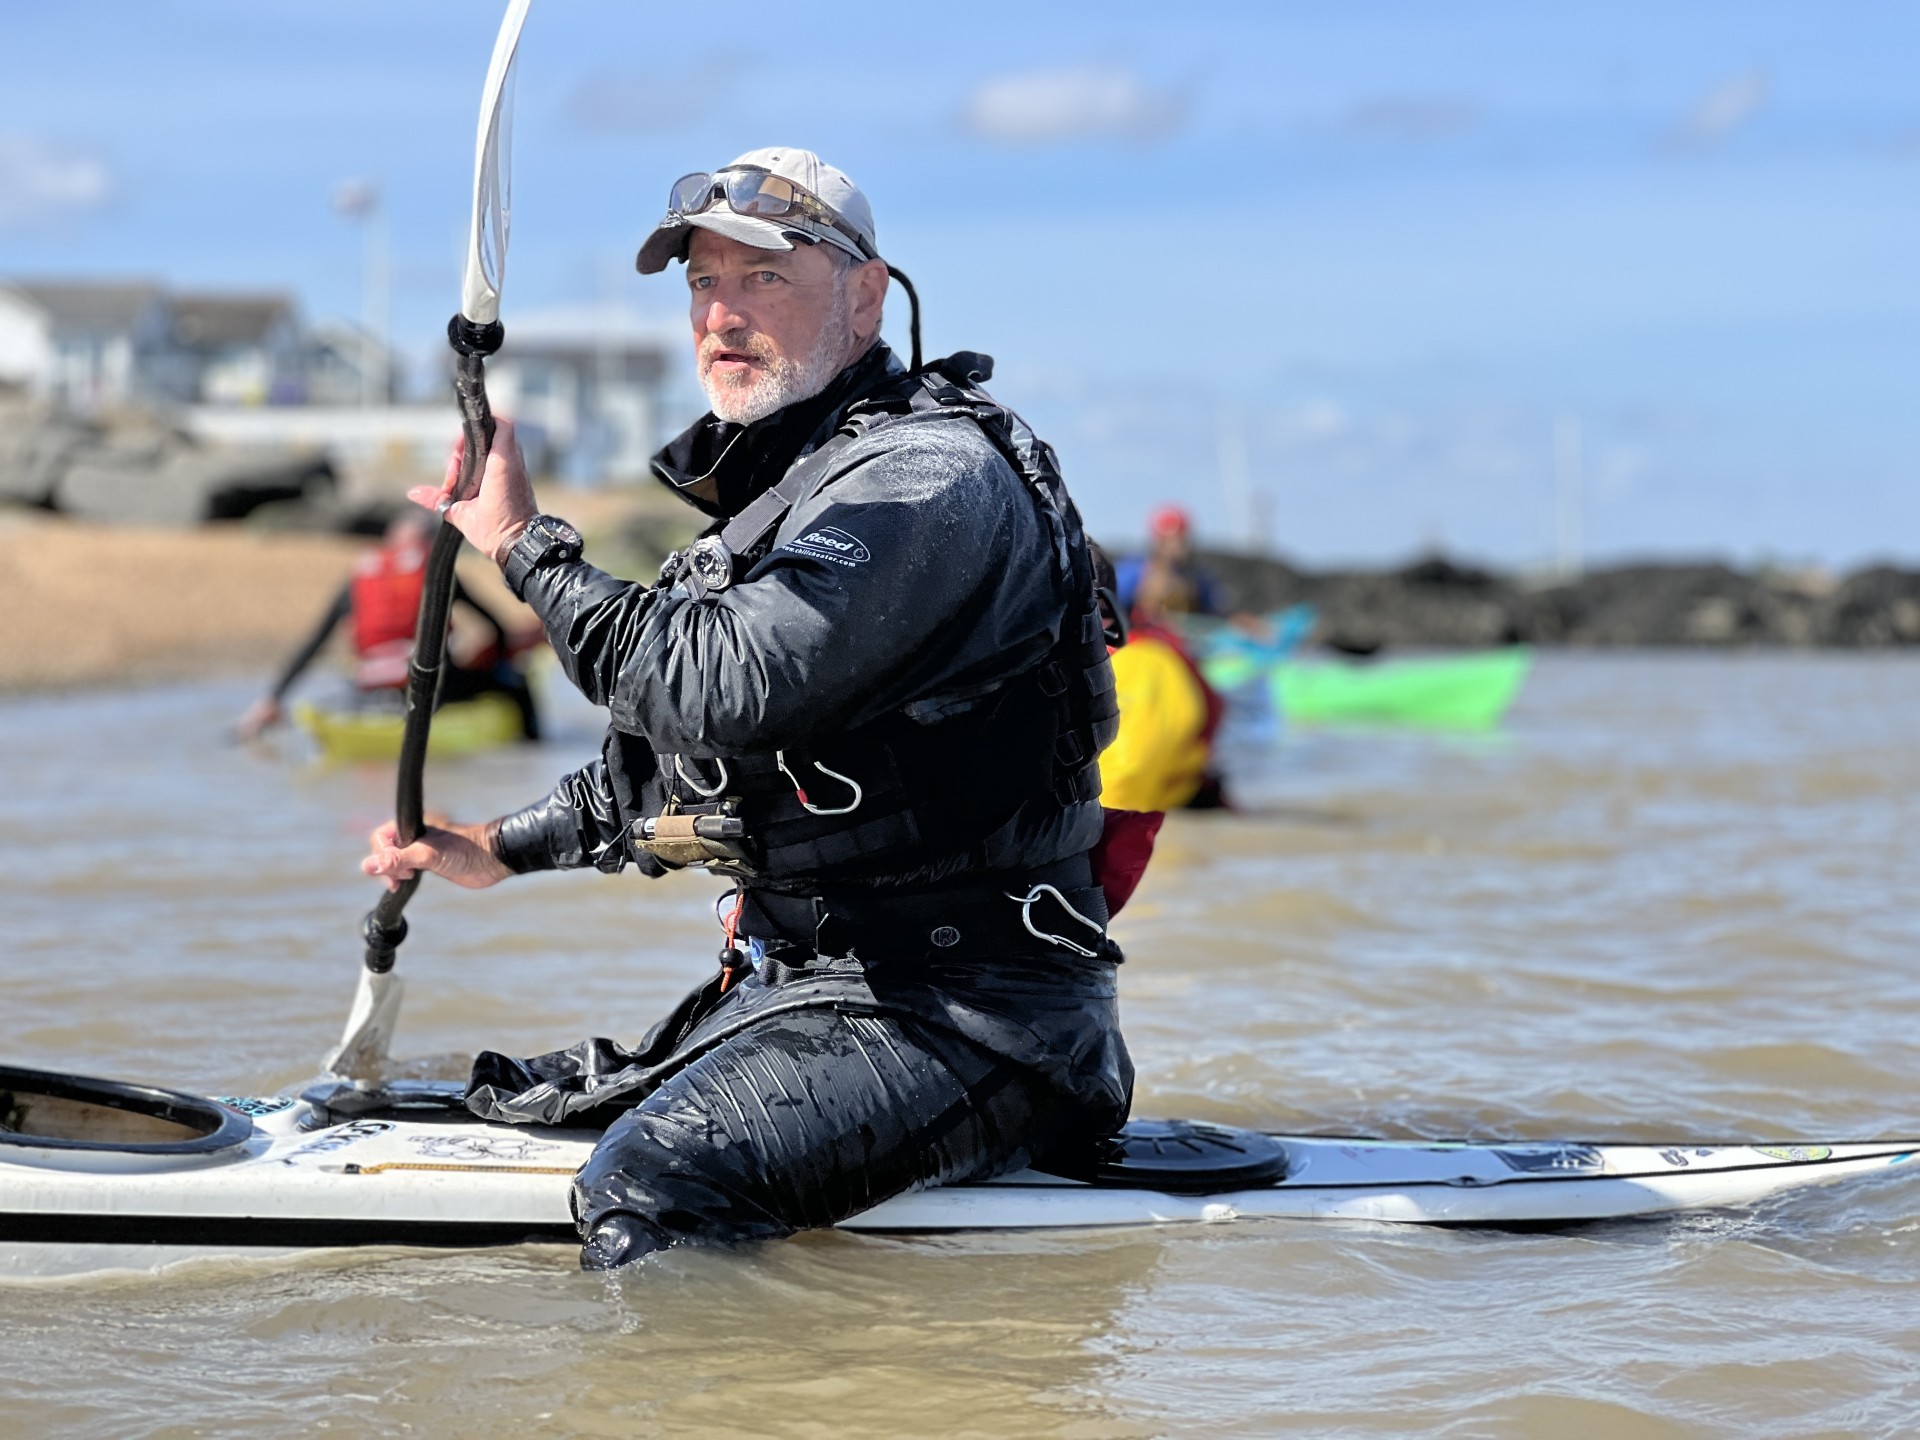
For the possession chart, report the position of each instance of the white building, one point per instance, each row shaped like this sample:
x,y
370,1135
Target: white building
x,y
85,346
227,350
590,390
79,345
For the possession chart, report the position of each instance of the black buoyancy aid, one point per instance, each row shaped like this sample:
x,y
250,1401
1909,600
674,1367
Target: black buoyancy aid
x,y
898,793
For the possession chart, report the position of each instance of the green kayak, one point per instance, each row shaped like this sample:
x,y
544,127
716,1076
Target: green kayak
x,y
1461,692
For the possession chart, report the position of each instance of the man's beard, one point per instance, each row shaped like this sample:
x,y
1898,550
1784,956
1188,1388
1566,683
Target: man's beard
x,y
781,379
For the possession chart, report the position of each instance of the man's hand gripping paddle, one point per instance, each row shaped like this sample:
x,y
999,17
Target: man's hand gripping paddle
x,y
475,333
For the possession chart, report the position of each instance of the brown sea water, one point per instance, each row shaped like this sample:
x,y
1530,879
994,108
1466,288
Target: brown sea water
x,y
1672,900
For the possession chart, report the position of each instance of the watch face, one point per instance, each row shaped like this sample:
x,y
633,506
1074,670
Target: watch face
x,y
561,530
712,562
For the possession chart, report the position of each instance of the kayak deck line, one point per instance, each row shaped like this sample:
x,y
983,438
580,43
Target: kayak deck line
x,y
1893,1152
384,1166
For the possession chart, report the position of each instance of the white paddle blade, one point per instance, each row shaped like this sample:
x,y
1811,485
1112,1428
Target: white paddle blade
x,y
486,266
362,1051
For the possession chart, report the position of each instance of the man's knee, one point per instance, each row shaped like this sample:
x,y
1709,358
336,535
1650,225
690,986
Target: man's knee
x,y
667,1171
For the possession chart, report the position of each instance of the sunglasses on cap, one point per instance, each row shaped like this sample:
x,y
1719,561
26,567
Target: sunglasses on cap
x,y
750,190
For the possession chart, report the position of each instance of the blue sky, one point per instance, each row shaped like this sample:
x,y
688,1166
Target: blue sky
x,y
1377,247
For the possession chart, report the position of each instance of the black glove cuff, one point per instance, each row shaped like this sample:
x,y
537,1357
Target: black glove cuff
x,y
522,838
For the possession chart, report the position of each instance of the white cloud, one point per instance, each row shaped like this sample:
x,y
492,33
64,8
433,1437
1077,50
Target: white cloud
x,y
1313,420
1086,102
1722,110
42,184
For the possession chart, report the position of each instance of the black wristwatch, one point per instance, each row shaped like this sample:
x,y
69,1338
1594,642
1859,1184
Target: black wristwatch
x,y
545,541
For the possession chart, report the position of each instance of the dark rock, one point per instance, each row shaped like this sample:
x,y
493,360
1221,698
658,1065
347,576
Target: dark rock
x,y
1439,602
161,481
35,450
139,470
1871,608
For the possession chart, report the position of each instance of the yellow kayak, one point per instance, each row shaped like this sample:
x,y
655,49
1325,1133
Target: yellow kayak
x,y
460,727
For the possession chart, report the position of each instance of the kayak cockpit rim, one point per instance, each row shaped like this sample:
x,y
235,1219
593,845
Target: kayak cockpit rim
x,y
45,1110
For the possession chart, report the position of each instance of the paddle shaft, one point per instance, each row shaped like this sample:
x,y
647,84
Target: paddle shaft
x,y
386,926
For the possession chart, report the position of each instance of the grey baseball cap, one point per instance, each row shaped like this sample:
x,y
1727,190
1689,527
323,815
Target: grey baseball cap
x,y
668,242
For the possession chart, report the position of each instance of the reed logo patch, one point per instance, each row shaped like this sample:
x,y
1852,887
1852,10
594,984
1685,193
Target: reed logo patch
x,y
830,542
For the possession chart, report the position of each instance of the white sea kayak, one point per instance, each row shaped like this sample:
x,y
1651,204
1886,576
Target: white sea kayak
x,y
101,1175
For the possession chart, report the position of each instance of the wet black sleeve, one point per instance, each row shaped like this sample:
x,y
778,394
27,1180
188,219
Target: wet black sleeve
x,y
342,607
579,824
585,820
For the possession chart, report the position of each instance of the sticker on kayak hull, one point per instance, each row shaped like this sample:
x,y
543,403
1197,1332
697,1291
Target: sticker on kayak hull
x,y
1553,1159
351,1133
479,1147
1681,1157
255,1106
1801,1153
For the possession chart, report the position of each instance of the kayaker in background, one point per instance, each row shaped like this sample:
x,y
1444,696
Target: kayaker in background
x,y
382,598
1167,581
1162,758
871,697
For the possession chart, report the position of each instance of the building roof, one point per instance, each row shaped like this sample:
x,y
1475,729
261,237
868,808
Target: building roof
x,y
632,360
89,305
213,322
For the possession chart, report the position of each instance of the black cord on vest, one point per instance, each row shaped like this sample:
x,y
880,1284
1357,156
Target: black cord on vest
x,y
913,299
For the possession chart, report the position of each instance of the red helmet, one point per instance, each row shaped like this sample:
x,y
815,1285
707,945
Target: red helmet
x,y
1169,520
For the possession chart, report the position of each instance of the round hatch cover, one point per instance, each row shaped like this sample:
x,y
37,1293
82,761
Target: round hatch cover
x,y
1191,1155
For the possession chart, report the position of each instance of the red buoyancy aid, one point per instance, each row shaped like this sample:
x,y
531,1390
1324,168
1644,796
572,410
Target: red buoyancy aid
x,y
386,605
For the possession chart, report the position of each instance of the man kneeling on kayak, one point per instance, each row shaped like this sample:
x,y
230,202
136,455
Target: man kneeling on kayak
x,y
871,698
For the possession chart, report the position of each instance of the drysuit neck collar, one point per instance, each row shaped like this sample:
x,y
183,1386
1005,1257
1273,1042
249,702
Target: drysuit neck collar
x,y
719,467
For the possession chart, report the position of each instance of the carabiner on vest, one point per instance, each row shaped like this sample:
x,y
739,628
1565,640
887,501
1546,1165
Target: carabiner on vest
x,y
680,769
800,791
1026,903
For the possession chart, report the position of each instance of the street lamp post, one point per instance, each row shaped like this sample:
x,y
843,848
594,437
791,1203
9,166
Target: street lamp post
x,y
360,200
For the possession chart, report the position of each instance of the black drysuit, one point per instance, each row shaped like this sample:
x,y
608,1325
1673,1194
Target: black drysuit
x,y
918,1013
